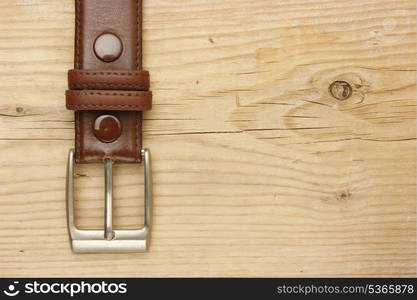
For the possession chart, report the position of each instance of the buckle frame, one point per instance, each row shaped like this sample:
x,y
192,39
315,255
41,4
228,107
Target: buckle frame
x,y
109,240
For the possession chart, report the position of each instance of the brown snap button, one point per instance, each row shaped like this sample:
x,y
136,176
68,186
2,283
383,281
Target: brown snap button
x,y
108,47
107,128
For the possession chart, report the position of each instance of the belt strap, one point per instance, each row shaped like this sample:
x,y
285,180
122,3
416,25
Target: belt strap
x,y
108,90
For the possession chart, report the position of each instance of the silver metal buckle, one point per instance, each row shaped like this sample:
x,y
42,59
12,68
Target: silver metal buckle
x,y
109,240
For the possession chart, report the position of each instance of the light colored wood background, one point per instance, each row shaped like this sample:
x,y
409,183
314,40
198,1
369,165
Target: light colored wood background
x,y
258,170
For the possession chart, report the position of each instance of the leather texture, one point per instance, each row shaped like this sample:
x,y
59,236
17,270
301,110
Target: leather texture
x,y
118,89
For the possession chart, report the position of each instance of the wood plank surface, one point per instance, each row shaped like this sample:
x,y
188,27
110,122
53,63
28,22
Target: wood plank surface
x,y
259,170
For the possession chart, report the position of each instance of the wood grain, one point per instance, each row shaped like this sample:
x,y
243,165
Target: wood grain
x,y
258,169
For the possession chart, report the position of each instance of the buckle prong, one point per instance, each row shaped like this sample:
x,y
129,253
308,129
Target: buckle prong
x,y
109,240
108,199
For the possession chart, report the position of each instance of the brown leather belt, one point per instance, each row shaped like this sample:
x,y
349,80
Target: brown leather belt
x,y
108,90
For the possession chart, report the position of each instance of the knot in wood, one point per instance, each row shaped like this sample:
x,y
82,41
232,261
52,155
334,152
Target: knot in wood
x,y
341,90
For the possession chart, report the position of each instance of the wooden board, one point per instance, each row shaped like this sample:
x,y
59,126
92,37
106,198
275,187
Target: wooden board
x,y
258,169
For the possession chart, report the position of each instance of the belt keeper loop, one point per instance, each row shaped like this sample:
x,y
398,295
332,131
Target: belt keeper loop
x,y
108,100
129,80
